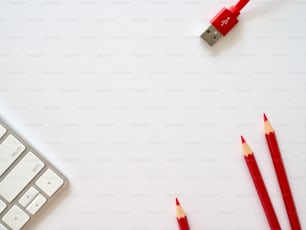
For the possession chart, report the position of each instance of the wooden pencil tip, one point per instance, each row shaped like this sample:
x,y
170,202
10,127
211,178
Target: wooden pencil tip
x,y
177,201
265,117
242,139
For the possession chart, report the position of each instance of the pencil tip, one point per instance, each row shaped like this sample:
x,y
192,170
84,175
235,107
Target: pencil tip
x,y
177,201
242,139
265,117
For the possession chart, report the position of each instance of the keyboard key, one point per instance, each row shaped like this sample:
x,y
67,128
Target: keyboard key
x,y
2,227
36,204
2,206
49,182
2,130
20,176
28,196
15,218
10,150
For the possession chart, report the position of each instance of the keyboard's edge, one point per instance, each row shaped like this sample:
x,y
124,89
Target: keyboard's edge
x,y
29,147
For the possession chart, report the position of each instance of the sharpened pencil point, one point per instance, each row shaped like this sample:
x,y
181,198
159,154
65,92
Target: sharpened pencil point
x,y
265,117
268,127
177,201
242,140
181,216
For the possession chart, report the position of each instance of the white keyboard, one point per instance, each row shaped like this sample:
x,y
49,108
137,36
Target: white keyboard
x,y
28,182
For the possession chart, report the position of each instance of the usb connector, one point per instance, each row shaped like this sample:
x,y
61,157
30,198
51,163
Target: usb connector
x,y
211,35
222,23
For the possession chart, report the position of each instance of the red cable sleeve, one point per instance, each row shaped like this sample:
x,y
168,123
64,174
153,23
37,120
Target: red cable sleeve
x,y
241,4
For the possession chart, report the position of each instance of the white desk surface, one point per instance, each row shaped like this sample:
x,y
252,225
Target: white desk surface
x,y
126,99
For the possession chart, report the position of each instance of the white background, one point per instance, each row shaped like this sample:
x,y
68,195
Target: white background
x,y
128,102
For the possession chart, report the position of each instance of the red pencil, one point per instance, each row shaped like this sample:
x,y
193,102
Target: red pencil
x,y
181,216
260,186
281,175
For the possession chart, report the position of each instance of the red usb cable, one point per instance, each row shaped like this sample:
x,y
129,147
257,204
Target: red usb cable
x,y
223,22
